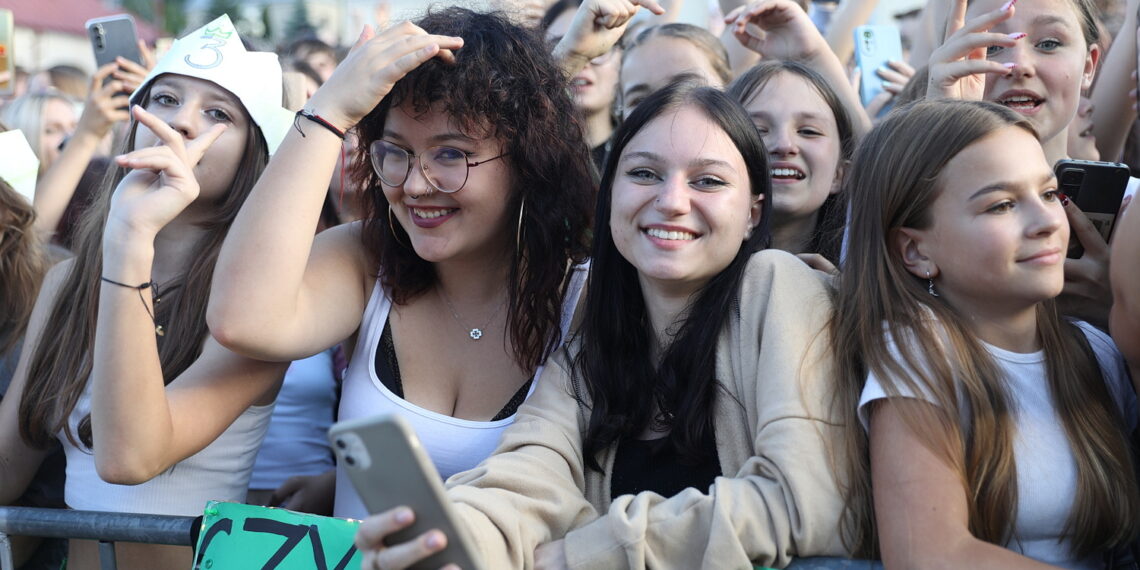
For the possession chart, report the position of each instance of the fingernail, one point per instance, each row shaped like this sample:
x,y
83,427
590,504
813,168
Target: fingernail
x,y
1008,5
435,540
1017,35
1064,199
404,516
1009,65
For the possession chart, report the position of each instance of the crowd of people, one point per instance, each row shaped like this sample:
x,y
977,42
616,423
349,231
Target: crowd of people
x,y
651,294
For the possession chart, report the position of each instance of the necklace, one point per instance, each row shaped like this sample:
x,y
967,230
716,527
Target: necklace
x,y
475,333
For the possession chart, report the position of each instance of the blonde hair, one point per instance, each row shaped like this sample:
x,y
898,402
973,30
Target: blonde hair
x,y
26,113
895,174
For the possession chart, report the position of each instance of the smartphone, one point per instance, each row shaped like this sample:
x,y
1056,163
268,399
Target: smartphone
x,y
112,37
7,64
388,467
1097,188
874,47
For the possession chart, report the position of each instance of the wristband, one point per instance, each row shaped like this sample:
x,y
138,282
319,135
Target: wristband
x,y
318,120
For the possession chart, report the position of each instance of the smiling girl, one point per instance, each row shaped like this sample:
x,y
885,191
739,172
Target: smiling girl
x,y
463,275
1032,56
119,366
810,139
994,429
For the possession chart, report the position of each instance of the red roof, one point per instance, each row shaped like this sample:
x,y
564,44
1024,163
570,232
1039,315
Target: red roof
x,y
68,16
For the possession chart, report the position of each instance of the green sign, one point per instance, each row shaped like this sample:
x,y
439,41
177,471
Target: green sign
x,y
247,537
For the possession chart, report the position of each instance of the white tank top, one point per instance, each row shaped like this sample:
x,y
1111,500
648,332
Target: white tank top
x,y
453,444
219,472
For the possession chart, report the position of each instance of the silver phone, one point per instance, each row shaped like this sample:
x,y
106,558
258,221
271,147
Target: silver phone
x,y
389,467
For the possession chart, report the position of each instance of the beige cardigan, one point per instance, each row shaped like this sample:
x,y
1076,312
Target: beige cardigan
x,y
777,500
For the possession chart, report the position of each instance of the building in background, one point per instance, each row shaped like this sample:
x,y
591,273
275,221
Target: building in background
x,y
52,32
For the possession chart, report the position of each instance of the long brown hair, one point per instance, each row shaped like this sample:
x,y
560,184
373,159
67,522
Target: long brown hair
x,y
58,370
895,177
22,265
827,236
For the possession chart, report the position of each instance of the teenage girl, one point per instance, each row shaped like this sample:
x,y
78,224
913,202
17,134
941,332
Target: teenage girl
x,y
995,430
461,279
1035,57
684,426
154,415
810,140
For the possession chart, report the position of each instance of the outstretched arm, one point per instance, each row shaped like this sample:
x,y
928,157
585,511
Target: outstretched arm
x,y
105,106
1113,111
1124,273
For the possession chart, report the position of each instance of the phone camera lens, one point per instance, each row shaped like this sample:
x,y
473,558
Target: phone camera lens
x,y
1072,177
350,460
341,444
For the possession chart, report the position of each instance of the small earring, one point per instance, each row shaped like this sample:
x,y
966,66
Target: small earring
x,y
392,226
930,285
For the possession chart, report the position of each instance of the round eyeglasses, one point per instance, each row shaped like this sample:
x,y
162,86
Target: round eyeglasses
x,y
444,167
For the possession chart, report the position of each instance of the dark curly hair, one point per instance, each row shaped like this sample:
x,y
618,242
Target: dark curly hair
x,y
505,85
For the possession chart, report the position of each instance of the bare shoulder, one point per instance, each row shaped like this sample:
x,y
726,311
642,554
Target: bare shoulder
x,y
343,248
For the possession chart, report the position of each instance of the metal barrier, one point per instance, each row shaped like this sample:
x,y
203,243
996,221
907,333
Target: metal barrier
x,y
107,528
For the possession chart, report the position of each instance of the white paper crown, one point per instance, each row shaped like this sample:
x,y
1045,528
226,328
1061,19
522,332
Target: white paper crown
x,y
215,53
18,163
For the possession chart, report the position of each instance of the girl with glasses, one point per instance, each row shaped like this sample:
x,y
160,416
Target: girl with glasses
x,y
460,280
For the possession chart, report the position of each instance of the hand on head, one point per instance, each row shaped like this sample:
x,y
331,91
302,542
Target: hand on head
x,y
373,67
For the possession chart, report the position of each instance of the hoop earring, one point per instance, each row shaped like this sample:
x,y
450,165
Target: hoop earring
x,y
392,226
518,229
930,285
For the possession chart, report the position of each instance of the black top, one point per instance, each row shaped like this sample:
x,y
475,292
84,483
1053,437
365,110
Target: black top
x,y
388,371
652,465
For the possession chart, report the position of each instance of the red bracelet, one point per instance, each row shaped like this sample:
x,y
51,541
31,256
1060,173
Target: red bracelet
x,y
318,120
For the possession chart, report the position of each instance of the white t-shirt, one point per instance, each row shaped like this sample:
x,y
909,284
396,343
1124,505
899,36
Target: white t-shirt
x,y
1046,469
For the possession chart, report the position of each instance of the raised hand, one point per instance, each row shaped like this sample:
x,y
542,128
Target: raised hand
x,y
161,183
959,66
106,103
776,29
597,27
895,77
373,67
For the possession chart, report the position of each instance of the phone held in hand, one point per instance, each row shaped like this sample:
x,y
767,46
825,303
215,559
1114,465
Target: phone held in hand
x,y
1097,188
113,36
388,467
7,64
874,47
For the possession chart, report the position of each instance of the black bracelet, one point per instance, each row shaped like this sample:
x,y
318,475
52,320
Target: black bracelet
x,y
139,289
318,120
